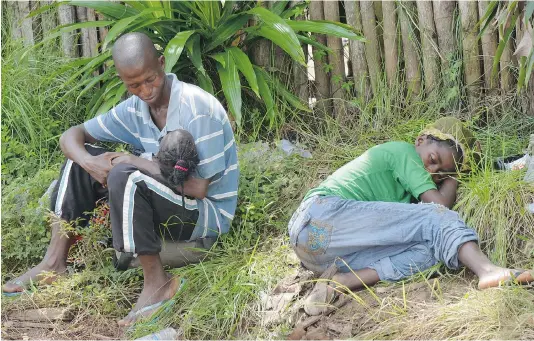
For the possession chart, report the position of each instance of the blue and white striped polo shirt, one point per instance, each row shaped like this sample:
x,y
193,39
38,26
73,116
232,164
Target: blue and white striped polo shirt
x,y
198,112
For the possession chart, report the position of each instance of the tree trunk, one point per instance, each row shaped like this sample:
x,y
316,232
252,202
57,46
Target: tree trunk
x,y
430,45
48,18
489,47
66,16
444,21
409,38
27,23
372,48
93,35
85,44
299,72
505,64
102,31
322,82
357,48
336,59
261,53
16,19
390,41
469,18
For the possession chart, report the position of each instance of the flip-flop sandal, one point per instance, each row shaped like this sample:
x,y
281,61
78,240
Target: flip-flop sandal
x,y
134,317
319,299
520,277
17,293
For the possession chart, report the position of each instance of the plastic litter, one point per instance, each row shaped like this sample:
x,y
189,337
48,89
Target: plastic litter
x,y
164,334
289,148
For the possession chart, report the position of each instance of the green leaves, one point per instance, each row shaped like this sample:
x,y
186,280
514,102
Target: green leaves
x,y
245,66
279,32
326,27
174,49
231,85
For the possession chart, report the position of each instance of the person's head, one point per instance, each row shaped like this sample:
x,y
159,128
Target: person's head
x,y
447,146
177,157
440,157
139,66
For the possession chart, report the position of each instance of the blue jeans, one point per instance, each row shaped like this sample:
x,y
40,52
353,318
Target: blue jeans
x,y
397,240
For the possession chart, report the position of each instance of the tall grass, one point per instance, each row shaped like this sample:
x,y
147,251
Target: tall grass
x,y
32,118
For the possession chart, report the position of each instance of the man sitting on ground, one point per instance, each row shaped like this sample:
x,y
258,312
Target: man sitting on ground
x,y
138,203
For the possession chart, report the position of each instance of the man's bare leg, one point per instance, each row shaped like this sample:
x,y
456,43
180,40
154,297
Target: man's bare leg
x,y
158,286
489,274
55,260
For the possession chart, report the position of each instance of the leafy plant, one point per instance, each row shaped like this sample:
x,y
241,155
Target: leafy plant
x,y
204,42
509,17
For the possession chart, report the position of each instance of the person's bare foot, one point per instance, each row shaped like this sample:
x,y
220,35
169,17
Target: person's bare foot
x,y
152,295
499,276
42,273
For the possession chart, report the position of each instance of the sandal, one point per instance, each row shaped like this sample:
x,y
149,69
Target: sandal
x,y
320,298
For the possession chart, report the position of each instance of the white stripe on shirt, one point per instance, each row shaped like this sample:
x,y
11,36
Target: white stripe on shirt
x,y
136,135
208,160
226,214
224,195
228,145
209,136
226,171
101,124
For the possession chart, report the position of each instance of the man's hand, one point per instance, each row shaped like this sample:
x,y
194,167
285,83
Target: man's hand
x,y
99,166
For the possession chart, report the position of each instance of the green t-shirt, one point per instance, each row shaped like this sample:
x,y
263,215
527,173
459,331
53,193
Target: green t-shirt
x,y
391,172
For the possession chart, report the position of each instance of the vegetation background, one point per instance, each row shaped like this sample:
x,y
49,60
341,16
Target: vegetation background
x,y
354,94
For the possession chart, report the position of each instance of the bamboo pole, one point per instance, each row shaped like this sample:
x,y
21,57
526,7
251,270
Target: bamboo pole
x,y
504,64
411,59
27,23
469,19
93,34
16,29
336,58
372,48
489,47
357,48
48,18
299,72
84,43
102,31
430,45
390,40
444,21
322,82
66,16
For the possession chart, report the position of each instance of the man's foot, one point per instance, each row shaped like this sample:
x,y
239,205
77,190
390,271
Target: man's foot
x,y
42,273
151,299
500,276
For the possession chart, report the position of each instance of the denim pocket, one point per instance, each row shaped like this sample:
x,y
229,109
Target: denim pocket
x,y
319,236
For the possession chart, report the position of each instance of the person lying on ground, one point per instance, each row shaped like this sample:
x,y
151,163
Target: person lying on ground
x,y
359,227
203,207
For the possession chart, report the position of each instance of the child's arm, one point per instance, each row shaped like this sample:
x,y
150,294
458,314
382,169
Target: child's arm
x,y
445,195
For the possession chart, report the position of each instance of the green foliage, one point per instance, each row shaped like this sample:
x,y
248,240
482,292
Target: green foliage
x,y
32,117
213,34
24,232
510,17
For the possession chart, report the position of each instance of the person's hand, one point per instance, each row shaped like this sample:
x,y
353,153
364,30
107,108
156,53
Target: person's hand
x,y
125,158
99,166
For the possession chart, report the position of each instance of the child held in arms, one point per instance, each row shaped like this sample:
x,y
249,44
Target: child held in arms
x,y
358,226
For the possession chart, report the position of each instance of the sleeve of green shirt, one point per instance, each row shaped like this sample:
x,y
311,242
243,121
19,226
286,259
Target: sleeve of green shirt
x,y
409,170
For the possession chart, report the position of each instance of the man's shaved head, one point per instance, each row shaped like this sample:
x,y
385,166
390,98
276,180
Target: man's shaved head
x,y
140,68
134,50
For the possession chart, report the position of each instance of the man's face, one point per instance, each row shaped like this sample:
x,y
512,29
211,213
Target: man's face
x,y
145,81
437,159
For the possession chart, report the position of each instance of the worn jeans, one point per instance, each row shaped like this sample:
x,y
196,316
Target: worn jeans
x,y
397,240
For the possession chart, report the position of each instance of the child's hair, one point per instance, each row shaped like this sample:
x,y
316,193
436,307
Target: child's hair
x,y
453,146
177,157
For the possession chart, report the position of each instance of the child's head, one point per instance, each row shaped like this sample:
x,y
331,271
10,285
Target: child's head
x,y
177,157
446,146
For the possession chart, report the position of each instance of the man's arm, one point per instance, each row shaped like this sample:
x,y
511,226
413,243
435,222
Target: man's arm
x,y
72,143
445,195
193,187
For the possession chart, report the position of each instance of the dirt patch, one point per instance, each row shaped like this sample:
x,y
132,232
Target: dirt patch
x,y
361,313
